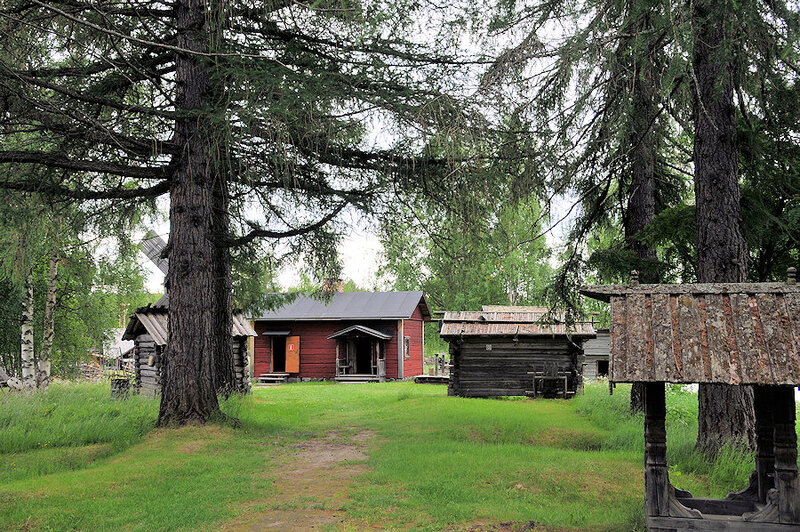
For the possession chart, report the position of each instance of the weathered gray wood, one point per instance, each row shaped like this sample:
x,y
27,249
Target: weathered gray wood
x,y
746,338
715,523
775,328
719,506
663,359
619,339
786,473
659,495
635,327
691,340
792,302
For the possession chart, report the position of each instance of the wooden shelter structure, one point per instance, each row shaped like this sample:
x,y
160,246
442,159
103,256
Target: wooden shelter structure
x,y
148,328
513,351
726,333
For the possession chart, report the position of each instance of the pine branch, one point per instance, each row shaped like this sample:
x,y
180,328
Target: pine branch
x,y
57,160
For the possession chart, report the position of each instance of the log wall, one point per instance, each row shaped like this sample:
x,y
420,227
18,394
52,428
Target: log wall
x,y
503,371
148,378
594,350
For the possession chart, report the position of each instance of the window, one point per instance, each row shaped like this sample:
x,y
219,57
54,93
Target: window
x,y
407,347
602,368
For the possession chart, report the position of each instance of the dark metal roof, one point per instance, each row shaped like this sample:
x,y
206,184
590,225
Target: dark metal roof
x,y
509,323
351,306
363,329
729,333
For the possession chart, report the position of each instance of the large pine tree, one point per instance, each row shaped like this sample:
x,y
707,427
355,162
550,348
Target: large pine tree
x,y
227,107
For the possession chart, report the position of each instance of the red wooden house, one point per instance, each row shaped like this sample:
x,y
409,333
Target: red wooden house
x,y
354,336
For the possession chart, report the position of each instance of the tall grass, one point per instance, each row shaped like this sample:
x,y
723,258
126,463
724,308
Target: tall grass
x,y
68,427
728,471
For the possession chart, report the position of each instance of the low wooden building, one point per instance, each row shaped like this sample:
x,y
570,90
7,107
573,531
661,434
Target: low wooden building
x,y
148,328
349,336
726,333
595,356
511,352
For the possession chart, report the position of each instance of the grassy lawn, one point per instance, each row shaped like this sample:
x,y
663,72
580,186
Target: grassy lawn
x,y
74,459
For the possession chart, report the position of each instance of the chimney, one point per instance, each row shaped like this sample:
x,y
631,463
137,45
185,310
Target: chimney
x,y
332,284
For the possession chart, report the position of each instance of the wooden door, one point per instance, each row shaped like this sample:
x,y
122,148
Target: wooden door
x,y
292,354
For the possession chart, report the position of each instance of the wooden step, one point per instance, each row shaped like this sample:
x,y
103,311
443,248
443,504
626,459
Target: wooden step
x,y
356,377
273,378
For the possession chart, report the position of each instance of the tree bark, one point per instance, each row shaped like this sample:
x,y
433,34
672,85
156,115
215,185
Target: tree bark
x,y
188,392
224,372
641,208
26,329
725,412
48,326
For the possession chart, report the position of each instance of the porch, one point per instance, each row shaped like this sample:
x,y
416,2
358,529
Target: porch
x,y
360,354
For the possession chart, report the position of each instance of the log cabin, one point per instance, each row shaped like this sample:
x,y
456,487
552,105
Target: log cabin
x,y
734,334
348,337
148,329
512,351
595,356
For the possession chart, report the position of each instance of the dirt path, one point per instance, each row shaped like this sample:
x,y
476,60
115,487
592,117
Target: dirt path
x,y
311,485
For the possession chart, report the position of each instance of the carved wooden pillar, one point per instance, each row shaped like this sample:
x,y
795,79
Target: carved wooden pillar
x,y
786,477
656,476
765,452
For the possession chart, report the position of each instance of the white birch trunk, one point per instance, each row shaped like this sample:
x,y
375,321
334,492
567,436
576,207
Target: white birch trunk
x,y
48,327
26,329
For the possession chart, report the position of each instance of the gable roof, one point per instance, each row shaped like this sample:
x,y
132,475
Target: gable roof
x,y
728,333
362,329
351,306
153,319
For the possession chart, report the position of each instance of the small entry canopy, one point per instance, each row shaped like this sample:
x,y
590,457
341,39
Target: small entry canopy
x,y
354,329
276,333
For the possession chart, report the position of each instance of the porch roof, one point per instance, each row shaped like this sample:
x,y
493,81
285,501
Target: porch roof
x,y
363,329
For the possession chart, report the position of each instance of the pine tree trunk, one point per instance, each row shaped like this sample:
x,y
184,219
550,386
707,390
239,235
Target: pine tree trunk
x,y
224,371
725,412
188,393
48,326
641,209
26,329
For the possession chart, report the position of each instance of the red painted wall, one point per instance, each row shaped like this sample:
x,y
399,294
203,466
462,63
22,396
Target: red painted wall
x,y
318,353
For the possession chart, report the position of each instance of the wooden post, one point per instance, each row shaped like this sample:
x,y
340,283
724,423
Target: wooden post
x,y
453,388
786,475
765,452
761,480
656,479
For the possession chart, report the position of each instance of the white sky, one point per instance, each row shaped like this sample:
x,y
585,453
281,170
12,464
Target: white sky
x,y
360,252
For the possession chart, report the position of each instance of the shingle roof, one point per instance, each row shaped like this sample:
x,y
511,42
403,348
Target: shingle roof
x,y
154,319
350,306
471,323
731,333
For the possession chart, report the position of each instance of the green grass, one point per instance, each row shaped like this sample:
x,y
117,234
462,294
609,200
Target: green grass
x,y
75,459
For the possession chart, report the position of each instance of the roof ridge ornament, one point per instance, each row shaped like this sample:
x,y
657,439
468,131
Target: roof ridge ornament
x,y
791,275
